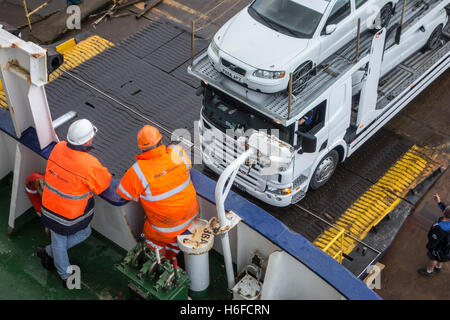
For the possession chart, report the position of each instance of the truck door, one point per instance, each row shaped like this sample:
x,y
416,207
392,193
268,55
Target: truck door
x,y
340,111
315,123
341,17
367,111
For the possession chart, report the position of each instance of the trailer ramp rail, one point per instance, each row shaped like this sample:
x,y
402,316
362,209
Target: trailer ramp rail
x,y
339,255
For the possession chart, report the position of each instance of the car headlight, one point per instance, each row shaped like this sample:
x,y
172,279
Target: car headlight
x,y
269,74
214,48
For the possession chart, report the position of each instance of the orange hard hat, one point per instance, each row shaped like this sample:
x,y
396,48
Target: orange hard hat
x,y
148,137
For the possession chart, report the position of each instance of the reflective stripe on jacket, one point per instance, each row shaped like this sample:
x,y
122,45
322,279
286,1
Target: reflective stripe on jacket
x,y
72,177
161,180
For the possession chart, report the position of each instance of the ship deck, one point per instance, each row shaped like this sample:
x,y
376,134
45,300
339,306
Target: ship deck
x,y
22,276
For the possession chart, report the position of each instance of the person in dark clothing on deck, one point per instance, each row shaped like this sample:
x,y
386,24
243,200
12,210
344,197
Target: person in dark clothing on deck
x,y
438,241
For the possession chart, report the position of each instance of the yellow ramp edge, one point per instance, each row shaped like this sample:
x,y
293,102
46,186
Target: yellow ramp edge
x,y
74,55
3,102
378,201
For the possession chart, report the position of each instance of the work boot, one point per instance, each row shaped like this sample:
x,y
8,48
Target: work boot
x,y
46,260
424,272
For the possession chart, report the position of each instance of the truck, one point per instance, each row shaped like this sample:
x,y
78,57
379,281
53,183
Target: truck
x,y
353,94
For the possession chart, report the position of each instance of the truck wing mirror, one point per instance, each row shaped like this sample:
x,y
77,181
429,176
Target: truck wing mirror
x,y
309,142
330,29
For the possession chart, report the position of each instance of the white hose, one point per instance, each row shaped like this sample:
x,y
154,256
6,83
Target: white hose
x,y
228,175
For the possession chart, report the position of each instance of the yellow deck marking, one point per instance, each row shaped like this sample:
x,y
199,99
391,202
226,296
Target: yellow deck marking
x,y
69,44
3,103
74,55
378,201
168,15
186,9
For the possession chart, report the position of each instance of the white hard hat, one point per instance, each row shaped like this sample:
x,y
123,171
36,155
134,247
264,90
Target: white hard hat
x,y
80,132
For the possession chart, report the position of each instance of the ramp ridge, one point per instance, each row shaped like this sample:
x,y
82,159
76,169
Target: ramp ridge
x,y
379,200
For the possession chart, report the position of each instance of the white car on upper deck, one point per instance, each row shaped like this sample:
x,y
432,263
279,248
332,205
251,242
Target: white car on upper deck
x,y
266,41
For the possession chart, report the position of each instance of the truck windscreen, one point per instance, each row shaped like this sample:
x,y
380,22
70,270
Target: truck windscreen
x,y
226,114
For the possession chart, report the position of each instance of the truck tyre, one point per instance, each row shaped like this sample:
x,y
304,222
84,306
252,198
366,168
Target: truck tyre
x,y
325,170
435,38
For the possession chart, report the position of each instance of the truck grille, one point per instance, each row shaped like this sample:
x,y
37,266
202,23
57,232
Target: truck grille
x,y
233,67
224,151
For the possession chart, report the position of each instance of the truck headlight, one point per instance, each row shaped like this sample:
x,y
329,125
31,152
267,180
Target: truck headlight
x,y
214,48
284,191
269,74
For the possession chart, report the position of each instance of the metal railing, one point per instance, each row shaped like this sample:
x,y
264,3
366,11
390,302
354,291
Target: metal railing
x,y
340,254
29,14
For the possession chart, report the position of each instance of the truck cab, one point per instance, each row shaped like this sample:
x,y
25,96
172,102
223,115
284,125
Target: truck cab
x,y
318,143
222,121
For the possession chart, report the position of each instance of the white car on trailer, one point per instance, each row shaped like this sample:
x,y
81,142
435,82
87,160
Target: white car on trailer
x,y
261,45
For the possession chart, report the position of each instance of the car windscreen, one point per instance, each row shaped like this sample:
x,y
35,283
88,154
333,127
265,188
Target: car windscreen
x,y
225,113
286,16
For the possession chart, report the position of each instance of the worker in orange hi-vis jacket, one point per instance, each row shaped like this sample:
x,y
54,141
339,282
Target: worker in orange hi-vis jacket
x,y
72,177
160,179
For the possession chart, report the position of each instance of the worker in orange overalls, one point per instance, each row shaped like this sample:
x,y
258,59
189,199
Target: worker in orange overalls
x,y
72,177
161,180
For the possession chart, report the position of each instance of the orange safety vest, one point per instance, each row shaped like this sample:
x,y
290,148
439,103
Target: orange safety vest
x,y
161,180
72,177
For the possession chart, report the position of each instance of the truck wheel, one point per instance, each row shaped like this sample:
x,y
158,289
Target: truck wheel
x,y
435,38
325,170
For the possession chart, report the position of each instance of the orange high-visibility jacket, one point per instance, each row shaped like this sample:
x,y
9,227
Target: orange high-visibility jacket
x,y
71,178
161,180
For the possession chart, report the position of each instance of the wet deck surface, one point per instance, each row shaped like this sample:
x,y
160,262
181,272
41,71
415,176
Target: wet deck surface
x,y
424,122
